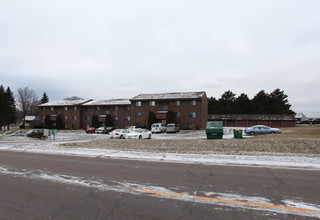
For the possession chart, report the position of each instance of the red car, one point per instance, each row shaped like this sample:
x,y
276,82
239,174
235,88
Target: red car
x,y
90,130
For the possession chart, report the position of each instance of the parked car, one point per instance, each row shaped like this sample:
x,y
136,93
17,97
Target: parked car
x,y
36,133
18,133
100,130
139,134
119,133
172,128
90,130
315,121
261,129
108,129
158,128
132,128
7,133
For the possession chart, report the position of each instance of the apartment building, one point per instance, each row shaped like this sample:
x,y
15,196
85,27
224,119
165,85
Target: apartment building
x,y
70,111
190,110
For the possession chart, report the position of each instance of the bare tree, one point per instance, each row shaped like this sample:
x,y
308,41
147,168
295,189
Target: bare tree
x,y
27,101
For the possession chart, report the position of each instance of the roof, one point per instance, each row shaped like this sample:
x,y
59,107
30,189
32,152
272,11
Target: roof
x,y
174,95
262,117
64,103
30,118
109,102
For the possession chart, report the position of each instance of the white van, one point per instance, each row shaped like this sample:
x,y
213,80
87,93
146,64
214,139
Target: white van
x,y
158,128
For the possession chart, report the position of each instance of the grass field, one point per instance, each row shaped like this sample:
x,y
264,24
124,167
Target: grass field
x,y
296,140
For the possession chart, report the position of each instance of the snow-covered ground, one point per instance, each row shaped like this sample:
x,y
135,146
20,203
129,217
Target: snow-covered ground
x,y
53,146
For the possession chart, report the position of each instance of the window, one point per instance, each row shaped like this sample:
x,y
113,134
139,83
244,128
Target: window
x,y
75,108
86,108
176,103
43,108
192,126
127,118
192,114
65,126
193,102
74,117
152,103
116,118
164,108
138,103
66,108
138,114
128,107
58,112
87,118
65,117
107,113
51,108
97,108
115,108
177,114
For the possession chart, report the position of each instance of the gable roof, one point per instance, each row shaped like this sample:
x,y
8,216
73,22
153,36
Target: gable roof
x,y
109,102
165,96
64,103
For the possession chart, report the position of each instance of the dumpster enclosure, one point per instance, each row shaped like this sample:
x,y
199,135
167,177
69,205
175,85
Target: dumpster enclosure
x,y
214,129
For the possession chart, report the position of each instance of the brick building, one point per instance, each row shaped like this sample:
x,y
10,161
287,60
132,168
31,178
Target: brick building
x,y
248,120
190,110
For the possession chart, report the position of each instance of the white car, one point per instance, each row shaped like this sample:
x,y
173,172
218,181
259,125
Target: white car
x,y
158,128
132,128
119,133
100,130
139,134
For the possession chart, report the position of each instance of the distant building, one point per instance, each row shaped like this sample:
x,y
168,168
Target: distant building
x,y
190,110
248,120
300,118
30,121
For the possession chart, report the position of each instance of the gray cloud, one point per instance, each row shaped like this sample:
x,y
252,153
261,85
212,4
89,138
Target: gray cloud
x,y
111,49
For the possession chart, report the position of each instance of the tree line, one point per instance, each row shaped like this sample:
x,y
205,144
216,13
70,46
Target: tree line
x,y
7,107
275,102
12,110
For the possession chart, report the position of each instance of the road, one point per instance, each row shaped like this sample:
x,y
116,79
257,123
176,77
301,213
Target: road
x,y
43,186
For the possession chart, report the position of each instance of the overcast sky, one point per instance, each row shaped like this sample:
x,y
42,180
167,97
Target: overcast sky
x,y
104,49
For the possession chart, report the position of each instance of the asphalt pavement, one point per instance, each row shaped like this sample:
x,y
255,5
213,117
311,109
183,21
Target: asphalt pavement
x,y
43,186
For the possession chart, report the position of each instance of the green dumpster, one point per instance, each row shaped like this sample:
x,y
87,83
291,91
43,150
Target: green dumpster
x,y
237,133
214,129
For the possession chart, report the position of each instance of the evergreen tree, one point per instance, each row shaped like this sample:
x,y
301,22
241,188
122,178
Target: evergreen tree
x,y
109,121
3,107
279,103
11,108
95,121
170,117
44,98
260,103
212,105
243,104
227,102
47,122
59,122
151,119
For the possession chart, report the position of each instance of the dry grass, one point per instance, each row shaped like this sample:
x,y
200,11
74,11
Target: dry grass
x,y
298,140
